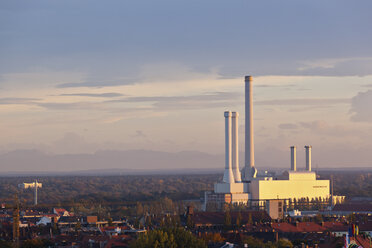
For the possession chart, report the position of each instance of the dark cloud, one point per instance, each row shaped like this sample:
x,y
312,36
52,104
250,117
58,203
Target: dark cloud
x,y
343,67
162,103
361,107
104,95
207,100
93,84
203,42
139,134
274,86
17,100
288,126
71,106
213,96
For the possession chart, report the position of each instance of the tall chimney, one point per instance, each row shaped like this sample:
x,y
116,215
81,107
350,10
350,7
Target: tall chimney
x,y
228,176
308,158
35,193
249,170
293,158
235,147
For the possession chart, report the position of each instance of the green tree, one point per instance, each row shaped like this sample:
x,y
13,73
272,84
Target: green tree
x,y
227,220
148,221
238,220
253,242
78,226
110,221
139,210
212,238
284,243
189,222
250,220
36,243
168,238
5,244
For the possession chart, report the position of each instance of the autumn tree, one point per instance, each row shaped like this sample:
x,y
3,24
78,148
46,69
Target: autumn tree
x,y
172,238
238,220
227,220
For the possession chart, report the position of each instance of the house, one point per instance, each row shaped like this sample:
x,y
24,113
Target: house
x,y
61,212
44,221
298,227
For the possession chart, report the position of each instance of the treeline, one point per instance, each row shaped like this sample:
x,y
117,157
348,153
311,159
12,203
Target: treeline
x,y
180,238
71,190
350,183
128,190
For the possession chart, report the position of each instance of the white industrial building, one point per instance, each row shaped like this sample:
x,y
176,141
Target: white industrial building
x,y
243,186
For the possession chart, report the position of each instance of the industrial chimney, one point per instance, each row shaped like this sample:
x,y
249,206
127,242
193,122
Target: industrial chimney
x,y
293,158
35,196
249,170
228,176
235,147
308,158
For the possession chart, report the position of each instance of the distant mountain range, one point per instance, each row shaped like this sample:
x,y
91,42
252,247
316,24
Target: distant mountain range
x,y
109,162
130,162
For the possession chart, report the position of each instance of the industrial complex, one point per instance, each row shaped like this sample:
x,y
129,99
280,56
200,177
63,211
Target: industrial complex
x,y
246,186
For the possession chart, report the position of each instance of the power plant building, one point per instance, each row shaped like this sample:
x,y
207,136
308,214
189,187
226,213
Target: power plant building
x,y
241,187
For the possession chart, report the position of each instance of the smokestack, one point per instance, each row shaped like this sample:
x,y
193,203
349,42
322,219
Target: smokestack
x,y
308,158
249,170
235,147
228,176
35,196
293,158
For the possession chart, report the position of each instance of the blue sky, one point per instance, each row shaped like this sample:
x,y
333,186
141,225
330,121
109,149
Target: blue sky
x,y
80,76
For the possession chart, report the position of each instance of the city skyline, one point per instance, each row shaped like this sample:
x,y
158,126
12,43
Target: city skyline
x,y
81,77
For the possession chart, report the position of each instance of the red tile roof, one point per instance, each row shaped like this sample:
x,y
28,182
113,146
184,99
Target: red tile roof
x,y
298,227
119,241
364,242
336,226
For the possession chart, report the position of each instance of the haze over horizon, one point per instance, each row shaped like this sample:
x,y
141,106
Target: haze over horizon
x,y
77,77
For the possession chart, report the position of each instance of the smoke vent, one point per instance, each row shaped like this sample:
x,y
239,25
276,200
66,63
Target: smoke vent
x,y
308,158
293,158
235,147
249,138
228,176
249,171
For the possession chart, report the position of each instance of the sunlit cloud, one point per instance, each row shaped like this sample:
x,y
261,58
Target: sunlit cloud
x,y
361,107
297,102
98,95
95,84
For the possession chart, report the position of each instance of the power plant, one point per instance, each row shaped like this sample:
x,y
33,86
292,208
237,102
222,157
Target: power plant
x,y
247,186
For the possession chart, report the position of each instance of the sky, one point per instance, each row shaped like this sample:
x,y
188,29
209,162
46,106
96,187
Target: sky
x,y
79,76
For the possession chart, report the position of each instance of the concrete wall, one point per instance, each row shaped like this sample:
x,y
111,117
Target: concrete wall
x,y
275,208
239,198
284,189
227,188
